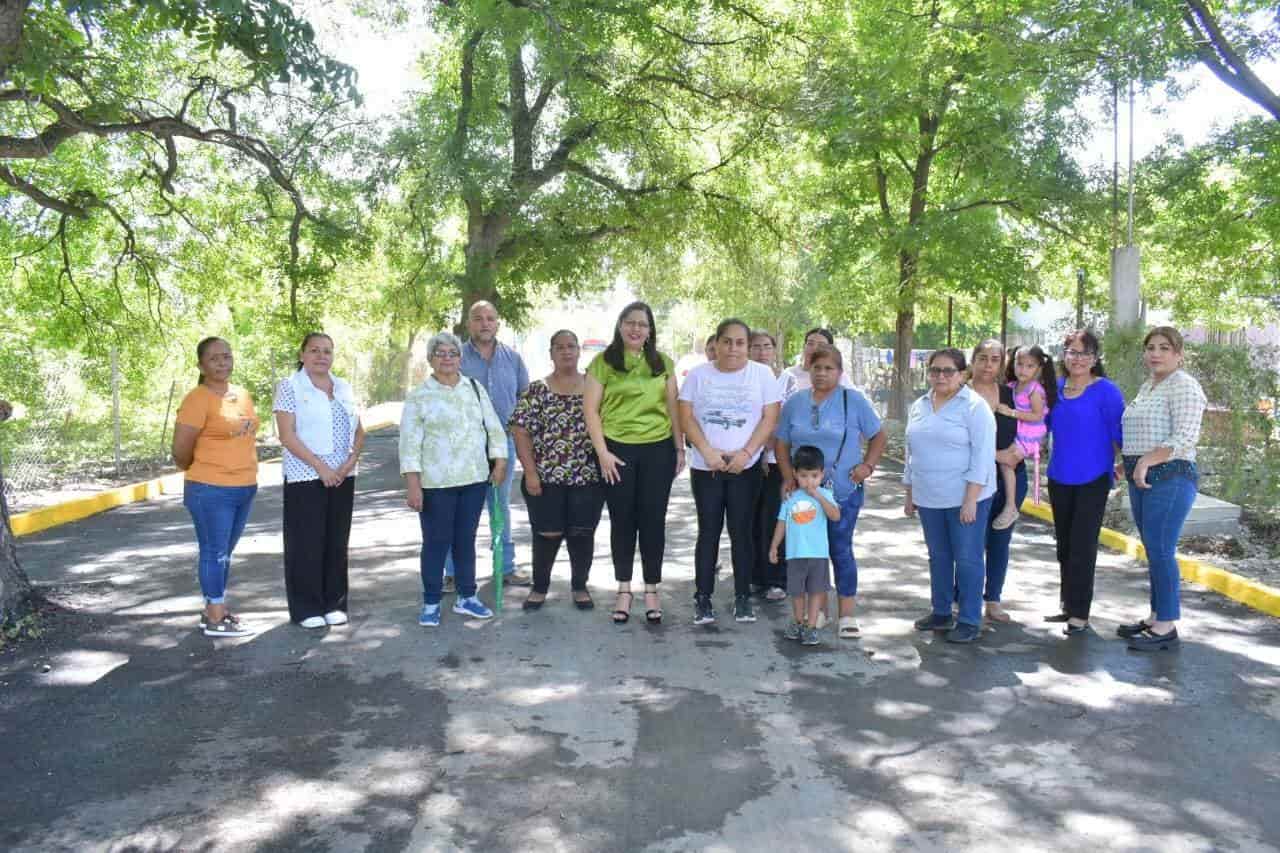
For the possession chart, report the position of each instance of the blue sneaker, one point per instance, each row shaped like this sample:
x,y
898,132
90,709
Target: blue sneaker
x,y
472,607
430,616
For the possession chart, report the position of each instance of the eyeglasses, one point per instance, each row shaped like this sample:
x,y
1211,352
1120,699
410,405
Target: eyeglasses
x,y
446,353
635,324
1080,354
943,371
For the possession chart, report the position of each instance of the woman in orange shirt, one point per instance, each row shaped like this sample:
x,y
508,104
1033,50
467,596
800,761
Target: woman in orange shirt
x,y
214,442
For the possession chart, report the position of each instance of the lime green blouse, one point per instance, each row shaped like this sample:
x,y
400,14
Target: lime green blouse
x,y
634,408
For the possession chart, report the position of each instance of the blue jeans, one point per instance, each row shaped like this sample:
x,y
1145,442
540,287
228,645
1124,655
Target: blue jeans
x,y
1158,513
504,495
956,569
998,540
840,543
449,519
219,514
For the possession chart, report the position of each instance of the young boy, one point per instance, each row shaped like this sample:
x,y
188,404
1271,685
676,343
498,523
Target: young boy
x,y
801,521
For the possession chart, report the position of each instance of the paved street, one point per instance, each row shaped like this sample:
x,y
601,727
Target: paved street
x,y
557,730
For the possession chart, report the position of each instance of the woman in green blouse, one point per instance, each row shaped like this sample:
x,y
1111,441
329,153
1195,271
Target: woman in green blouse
x,y
630,408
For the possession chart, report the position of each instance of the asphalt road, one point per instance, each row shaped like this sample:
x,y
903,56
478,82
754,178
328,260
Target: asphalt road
x,y
123,728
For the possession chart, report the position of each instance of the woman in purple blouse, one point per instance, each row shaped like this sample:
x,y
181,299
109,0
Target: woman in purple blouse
x,y
1085,428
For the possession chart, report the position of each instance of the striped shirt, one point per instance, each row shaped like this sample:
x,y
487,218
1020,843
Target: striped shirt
x,y
1166,414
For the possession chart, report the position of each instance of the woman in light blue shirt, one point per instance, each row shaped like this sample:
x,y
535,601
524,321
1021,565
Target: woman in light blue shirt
x,y
950,478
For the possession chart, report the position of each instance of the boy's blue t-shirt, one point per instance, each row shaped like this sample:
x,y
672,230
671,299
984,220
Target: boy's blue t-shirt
x,y
806,525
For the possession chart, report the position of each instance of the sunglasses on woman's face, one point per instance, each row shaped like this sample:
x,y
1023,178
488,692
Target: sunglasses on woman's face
x,y
948,372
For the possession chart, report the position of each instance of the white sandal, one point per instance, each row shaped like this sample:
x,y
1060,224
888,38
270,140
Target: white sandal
x,y
849,629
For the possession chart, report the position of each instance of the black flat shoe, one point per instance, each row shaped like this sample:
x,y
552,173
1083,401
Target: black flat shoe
x,y
1131,630
1075,629
1150,642
1057,617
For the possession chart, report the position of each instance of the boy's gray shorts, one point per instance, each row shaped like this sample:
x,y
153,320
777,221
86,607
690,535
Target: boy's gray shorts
x,y
807,575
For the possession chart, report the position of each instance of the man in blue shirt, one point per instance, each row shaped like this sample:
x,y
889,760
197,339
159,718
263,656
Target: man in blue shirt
x,y
502,372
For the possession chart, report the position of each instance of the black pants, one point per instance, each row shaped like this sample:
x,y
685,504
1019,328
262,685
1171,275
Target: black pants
x,y
569,513
722,498
638,507
1077,522
763,572
317,525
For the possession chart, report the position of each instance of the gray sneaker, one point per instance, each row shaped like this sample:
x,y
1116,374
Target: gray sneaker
x,y
742,609
810,637
793,631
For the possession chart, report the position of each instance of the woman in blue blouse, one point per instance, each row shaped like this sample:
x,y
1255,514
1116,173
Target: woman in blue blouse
x,y
950,478
836,420
1085,430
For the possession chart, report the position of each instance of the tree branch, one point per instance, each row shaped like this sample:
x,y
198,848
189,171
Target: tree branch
x,y
1223,60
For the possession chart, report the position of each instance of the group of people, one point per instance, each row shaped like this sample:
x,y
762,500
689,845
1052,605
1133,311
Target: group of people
x,y
779,458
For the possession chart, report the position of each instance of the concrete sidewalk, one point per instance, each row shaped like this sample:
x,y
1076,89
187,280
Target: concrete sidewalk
x,y
557,730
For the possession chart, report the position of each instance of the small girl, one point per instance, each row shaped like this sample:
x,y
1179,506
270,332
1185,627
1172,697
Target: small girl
x,y
1031,376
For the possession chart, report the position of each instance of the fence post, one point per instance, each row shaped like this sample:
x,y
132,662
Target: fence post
x,y
115,405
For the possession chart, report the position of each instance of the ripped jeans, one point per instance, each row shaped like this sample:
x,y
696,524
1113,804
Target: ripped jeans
x,y
219,514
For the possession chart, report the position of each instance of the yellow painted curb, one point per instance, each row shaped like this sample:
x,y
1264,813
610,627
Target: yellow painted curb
x,y
26,523
1250,593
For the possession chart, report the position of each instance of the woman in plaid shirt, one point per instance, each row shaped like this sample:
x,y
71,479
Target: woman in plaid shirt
x,y
1161,428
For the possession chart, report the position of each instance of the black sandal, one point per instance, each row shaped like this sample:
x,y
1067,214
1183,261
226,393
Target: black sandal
x,y
654,614
584,603
621,617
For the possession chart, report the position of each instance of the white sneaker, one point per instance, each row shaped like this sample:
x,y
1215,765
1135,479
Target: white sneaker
x,y
313,622
335,617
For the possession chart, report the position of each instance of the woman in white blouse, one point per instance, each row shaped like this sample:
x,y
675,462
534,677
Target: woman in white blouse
x,y
322,436
1161,428
452,447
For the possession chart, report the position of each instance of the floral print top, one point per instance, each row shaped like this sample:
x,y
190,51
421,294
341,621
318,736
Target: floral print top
x,y
561,447
443,434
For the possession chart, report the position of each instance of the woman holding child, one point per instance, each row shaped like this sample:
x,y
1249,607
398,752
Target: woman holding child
x,y
836,420
986,372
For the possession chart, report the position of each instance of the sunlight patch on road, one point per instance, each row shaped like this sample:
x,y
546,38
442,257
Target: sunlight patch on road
x,y
82,666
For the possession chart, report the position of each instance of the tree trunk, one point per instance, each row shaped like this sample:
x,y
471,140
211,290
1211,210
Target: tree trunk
x,y
906,334
485,233
15,588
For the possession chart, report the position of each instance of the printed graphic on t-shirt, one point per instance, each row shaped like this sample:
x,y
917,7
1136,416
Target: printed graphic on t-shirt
x,y
804,510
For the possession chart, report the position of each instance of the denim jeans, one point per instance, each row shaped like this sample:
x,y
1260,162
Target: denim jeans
x,y
504,495
219,514
449,519
1158,513
840,543
998,540
955,559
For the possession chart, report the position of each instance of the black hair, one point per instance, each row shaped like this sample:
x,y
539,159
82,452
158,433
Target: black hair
x,y
1090,341
808,458
820,331
761,333
560,332
725,325
201,347
615,353
1048,375
956,356
306,340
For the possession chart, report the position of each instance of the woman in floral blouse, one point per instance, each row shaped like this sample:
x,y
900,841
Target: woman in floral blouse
x,y
1161,428
452,446
562,487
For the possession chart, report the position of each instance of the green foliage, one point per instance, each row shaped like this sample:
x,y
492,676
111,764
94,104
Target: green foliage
x,y
1241,457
